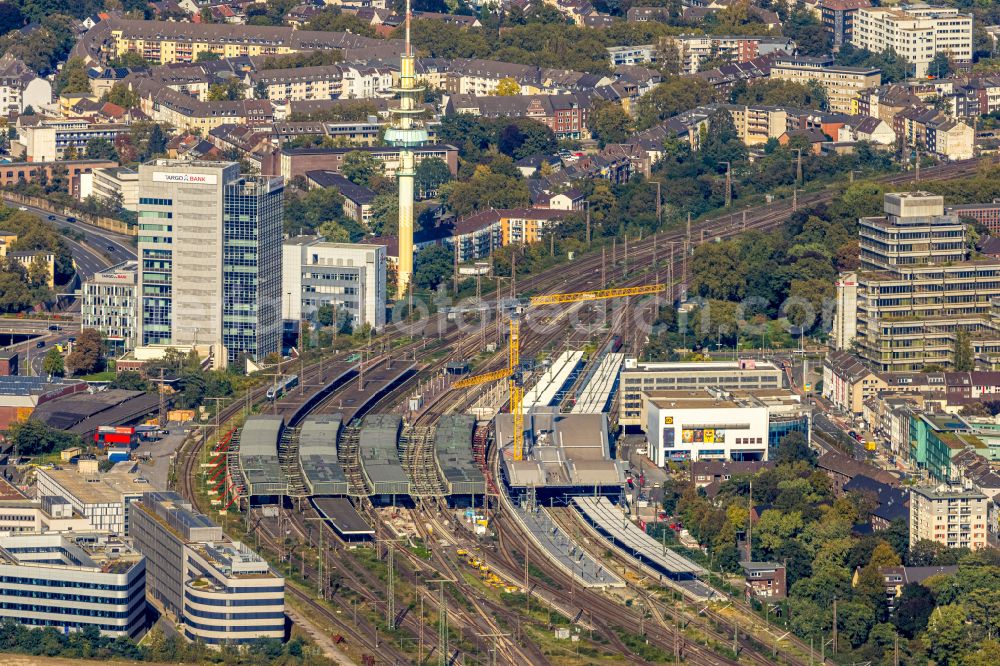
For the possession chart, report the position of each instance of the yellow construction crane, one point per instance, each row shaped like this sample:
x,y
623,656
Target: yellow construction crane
x,y
512,372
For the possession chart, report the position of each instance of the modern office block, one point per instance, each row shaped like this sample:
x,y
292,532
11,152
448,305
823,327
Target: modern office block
x,y
210,253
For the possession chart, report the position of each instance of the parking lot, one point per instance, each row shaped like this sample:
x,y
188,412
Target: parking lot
x,y
159,454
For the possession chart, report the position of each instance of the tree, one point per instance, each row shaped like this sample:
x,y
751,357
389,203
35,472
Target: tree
x,y
334,20
100,149
233,89
484,190
947,637
11,17
965,359
609,123
385,215
207,56
792,448
122,96
507,87
525,137
432,173
432,266
777,92
53,363
360,167
88,353
130,381
674,95
72,78
940,67
34,438
156,144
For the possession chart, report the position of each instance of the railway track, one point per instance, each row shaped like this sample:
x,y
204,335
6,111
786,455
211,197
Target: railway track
x,y
645,256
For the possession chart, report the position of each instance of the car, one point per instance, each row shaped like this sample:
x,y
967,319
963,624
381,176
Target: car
x,y
853,434
22,208
40,344
71,219
111,248
54,327
52,217
71,340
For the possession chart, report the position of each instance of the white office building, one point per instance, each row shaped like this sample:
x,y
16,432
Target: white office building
x,y
108,304
916,32
103,498
347,276
219,590
72,582
210,249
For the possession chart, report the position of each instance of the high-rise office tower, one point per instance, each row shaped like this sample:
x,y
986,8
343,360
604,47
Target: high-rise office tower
x,y
210,254
406,134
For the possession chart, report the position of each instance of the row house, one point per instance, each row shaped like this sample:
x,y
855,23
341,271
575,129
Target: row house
x,y
565,115
724,77
165,41
184,112
932,130
360,133
298,83
20,87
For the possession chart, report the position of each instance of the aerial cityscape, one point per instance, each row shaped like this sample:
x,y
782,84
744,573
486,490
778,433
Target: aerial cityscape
x,y
508,332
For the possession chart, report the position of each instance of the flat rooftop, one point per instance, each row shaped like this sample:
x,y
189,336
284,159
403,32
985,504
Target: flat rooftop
x,y
101,488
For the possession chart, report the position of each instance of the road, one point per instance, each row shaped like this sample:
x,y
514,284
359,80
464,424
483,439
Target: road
x,y
99,249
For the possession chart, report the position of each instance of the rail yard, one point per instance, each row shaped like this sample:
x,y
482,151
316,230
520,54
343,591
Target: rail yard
x,y
424,516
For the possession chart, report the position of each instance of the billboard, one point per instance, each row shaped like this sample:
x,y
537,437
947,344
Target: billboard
x,y
703,436
187,178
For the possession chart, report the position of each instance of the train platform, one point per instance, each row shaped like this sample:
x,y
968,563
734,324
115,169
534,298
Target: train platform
x,y
454,456
378,447
317,455
608,520
259,439
360,394
595,397
562,550
344,518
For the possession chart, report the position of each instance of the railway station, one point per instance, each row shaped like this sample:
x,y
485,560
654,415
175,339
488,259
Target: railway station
x,y
565,455
363,392
554,382
383,472
455,458
259,439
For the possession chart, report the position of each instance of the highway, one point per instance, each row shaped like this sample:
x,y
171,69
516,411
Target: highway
x,y
99,249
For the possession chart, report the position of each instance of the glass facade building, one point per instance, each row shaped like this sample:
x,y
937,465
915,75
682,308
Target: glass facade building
x,y
210,253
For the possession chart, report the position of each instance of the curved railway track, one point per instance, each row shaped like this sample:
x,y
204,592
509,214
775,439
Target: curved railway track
x,y
644,256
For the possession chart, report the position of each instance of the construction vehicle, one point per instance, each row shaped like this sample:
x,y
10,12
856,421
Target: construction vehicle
x,y
512,373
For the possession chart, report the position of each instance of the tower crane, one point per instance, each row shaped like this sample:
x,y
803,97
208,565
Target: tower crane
x,y
512,373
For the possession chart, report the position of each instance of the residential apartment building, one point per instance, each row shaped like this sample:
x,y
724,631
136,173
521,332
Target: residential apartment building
x,y
566,115
45,139
298,84
112,184
11,173
916,287
109,304
166,42
349,277
694,50
632,55
838,19
848,382
182,111
842,84
357,198
73,582
916,32
950,516
527,225
637,377
210,250
21,87
218,590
